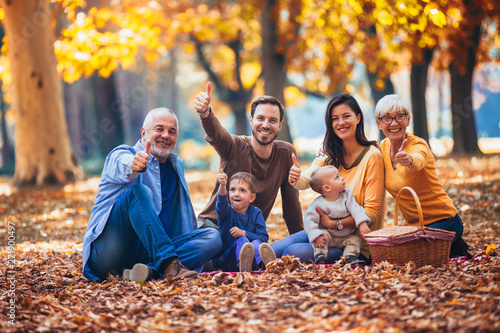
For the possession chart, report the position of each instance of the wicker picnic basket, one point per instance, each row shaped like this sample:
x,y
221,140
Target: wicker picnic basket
x,y
401,244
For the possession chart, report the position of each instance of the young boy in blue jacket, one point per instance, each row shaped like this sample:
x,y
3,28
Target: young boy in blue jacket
x,y
241,226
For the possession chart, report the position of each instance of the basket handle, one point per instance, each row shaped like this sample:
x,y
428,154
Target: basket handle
x,y
417,202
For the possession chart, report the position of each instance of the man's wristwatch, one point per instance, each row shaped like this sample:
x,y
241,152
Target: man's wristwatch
x,y
340,226
207,111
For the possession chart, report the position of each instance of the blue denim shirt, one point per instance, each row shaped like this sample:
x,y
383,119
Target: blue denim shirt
x,y
117,176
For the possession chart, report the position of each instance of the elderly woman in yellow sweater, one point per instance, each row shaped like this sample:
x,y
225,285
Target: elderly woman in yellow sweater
x,y
359,162
409,162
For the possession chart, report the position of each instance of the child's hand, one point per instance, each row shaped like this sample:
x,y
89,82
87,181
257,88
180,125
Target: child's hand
x,y
222,179
237,232
320,241
364,229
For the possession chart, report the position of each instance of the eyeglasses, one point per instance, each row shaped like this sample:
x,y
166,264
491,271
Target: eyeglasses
x,y
399,118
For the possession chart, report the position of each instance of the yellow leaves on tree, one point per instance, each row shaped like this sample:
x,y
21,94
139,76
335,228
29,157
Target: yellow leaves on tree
x,y
250,73
293,96
320,39
105,39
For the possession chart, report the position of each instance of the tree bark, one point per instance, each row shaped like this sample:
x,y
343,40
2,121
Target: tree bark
x,y
462,112
42,145
418,79
274,63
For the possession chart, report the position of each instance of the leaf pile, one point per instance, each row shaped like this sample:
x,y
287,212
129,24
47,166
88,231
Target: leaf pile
x,y
52,295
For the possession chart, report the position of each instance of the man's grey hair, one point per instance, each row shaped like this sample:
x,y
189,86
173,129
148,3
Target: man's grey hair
x,y
155,112
390,103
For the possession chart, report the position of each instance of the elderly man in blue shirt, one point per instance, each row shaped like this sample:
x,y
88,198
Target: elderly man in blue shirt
x,y
143,224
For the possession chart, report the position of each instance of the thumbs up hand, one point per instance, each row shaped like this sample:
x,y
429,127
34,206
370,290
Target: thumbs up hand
x,y
402,157
222,179
295,171
141,158
202,101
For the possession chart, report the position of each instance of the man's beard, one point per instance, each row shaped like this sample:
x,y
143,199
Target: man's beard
x,y
263,143
163,152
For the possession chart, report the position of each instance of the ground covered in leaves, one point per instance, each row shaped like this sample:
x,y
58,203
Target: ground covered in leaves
x,y
51,295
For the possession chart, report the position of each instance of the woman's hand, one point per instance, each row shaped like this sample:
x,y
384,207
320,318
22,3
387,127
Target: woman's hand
x,y
402,157
295,171
325,221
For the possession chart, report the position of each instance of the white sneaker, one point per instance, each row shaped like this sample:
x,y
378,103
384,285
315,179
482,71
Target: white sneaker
x,y
138,273
247,253
266,253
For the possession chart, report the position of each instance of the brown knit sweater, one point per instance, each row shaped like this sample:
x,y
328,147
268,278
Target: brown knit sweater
x,y
236,154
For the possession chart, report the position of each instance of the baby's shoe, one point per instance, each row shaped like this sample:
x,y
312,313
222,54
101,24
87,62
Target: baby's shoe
x,y
353,260
320,259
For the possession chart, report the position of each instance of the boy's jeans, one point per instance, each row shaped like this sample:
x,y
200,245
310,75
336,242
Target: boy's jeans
x,y
229,260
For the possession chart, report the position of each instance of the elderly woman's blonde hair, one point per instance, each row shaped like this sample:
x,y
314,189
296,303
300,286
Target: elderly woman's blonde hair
x,y
390,103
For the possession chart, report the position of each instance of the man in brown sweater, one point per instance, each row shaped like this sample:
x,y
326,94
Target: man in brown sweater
x,y
267,159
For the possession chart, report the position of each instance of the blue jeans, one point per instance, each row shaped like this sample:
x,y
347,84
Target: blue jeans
x,y
134,234
298,245
229,260
454,224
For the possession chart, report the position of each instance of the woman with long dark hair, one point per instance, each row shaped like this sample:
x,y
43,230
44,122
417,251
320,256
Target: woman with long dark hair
x,y
361,165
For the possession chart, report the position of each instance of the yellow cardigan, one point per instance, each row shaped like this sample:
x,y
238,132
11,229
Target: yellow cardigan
x,y
436,204
365,180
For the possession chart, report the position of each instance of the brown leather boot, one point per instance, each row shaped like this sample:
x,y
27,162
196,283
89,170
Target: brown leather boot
x,y
178,270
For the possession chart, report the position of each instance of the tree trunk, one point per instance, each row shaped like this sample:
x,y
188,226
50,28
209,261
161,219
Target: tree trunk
x,y
42,145
7,153
377,94
238,102
108,113
236,99
274,63
167,90
462,113
418,79
73,107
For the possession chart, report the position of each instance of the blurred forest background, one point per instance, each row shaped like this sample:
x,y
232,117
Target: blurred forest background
x,y
79,76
